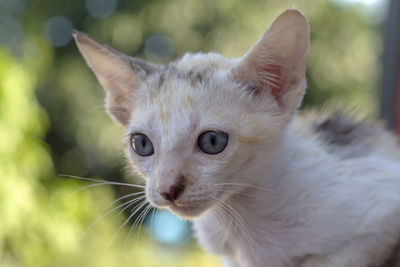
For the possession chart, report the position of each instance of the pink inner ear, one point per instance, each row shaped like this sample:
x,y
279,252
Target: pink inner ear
x,y
272,80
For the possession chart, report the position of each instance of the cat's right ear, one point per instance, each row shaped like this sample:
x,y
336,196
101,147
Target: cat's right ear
x,y
275,67
120,75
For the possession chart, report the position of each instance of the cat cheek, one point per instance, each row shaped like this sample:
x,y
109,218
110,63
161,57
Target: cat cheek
x,y
151,193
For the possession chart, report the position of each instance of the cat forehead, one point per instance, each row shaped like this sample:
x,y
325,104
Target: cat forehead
x,y
193,69
183,93
184,83
203,62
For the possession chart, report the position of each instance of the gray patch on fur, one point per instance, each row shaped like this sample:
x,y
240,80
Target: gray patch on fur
x,y
344,136
342,130
394,258
194,76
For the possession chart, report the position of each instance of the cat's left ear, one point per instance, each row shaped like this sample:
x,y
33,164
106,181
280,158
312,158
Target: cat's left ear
x,y
120,75
276,65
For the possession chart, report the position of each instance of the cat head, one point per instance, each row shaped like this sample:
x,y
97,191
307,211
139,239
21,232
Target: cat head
x,y
202,124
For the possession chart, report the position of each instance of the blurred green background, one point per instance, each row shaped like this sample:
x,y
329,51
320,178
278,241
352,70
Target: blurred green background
x,y
52,119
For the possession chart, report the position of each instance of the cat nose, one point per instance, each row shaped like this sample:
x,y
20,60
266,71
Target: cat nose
x,y
173,192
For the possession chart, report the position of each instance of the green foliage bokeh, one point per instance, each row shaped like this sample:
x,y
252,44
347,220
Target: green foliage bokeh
x,y
52,119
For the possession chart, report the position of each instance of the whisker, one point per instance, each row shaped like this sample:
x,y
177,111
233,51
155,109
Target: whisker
x,y
151,223
123,225
100,181
121,211
123,197
242,194
240,225
140,223
101,216
243,228
86,187
245,185
135,210
97,108
232,220
239,222
227,218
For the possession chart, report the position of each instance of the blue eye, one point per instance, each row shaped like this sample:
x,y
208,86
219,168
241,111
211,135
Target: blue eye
x,y
212,142
142,145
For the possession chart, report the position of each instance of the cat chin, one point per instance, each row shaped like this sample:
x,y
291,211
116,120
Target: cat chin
x,y
190,213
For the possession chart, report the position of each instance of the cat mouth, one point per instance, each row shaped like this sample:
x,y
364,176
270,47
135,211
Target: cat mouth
x,y
187,211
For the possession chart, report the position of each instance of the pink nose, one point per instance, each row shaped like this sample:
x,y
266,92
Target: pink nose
x,y
174,192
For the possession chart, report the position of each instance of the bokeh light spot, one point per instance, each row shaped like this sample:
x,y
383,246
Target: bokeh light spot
x,y
101,8
159,48
168,228
58,31
11,31
13,7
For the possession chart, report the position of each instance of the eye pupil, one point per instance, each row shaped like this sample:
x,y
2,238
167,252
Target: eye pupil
x,y
142,145
212,142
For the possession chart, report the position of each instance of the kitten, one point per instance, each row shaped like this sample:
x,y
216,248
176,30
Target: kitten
x,y
219,142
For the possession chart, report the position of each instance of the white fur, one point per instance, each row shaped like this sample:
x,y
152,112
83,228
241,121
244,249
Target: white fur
x,y
276,196
318,205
